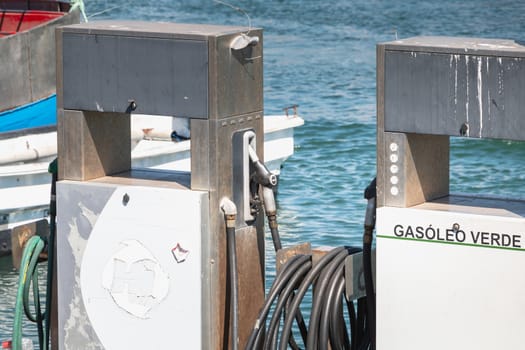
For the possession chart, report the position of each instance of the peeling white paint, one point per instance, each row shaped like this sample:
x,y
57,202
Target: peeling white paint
x,y
467,91
456,58
74,332
489,104
480,97
500,76
128,266
135,279
99,107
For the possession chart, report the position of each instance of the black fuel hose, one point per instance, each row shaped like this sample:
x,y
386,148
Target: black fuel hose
x,y
369,284
234,285
370,195
51,245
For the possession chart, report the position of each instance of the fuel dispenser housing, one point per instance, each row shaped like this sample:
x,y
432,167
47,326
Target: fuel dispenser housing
x,y
449,267
142,254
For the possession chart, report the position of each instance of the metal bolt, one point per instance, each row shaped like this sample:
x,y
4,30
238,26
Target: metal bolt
x,y
132,105
463,130
125,199
455,227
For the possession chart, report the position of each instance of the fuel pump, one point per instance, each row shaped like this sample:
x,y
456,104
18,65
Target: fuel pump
x,y
449,267
144,256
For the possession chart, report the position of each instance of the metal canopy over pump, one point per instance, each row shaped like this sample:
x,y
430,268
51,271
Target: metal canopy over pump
x,y
142,255
448,266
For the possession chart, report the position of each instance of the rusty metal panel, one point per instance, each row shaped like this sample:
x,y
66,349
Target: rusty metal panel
x,y
285,254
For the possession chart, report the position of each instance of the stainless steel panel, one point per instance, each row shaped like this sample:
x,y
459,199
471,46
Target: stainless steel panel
x,y
166,68
211,161
393,170
455,94
165,30
163,76
414,168
92,145
238,80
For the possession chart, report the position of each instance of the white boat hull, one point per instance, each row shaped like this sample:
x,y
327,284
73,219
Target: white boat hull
x,y
25,181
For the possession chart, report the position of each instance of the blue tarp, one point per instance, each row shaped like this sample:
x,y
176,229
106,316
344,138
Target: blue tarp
x,y
33,115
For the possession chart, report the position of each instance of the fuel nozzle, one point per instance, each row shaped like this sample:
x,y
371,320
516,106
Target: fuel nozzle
x,y
370,195
262,175
268,181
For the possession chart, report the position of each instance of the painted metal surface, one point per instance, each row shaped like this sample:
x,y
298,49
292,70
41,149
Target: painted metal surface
x,y
446,278
122,286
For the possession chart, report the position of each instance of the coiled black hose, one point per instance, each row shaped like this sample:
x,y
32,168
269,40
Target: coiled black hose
x,y
330,324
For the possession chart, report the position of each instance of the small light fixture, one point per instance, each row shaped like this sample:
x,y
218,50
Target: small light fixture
x,y
242,41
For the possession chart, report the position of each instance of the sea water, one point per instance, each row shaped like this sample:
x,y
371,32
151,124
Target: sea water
x,y
321,56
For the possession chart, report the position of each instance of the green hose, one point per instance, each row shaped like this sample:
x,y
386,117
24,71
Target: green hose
x,y
29,275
